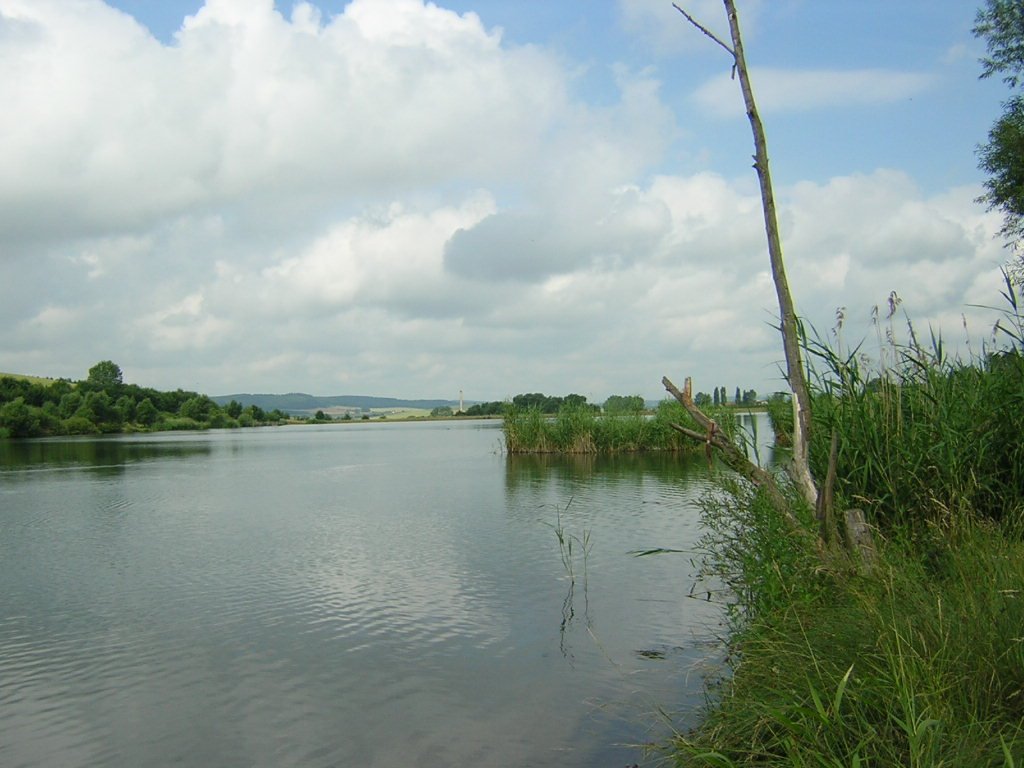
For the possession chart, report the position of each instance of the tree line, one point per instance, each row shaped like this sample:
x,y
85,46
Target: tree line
x,y
619,404
102,403
720,397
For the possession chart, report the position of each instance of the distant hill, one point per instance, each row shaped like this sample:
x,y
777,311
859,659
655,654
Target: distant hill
x,y
44,380
301,403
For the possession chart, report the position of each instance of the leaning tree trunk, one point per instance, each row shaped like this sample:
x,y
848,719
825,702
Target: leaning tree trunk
x,y
800,469
857,534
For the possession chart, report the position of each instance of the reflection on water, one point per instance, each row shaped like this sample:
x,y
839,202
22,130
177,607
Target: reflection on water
x,y
372,594
100,455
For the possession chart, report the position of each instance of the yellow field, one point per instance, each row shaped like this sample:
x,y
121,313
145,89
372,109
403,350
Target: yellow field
x,y
399,413
45,381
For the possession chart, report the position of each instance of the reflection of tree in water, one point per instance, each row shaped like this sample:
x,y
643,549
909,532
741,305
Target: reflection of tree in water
x,y
103,456
566,470
562,475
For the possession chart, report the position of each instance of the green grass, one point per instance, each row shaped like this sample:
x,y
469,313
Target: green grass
x,y
921,664
931,438
582,430
43,380
919,661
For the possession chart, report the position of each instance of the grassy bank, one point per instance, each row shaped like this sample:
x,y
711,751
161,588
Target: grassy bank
x,y
919,661
580,429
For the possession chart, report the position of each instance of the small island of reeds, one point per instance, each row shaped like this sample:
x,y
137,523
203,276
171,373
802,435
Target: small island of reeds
x,y
581,429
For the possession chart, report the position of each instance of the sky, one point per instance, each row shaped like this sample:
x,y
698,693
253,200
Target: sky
x,y
411,199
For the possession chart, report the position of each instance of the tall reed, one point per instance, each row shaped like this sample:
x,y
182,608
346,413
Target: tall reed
x,y
908,668
923,436
582,430
919,662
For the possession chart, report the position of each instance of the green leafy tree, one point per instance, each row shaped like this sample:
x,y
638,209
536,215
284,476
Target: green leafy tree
x,y
105,374
738,398
146,413
703,399
493,408
1001,24
101,409
255,413
199,408
441,410
234,409
19,419
69,404
127,407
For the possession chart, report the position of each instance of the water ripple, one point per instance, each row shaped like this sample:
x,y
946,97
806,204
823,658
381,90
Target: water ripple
x,y
340,597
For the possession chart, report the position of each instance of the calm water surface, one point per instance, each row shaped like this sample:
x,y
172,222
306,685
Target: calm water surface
x,y
344,595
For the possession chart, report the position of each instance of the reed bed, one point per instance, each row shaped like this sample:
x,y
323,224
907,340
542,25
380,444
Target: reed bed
x,y
919,664
582,430
923,436
920,661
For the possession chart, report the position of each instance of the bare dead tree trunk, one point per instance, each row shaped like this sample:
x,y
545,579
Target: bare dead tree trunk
x,y
800,470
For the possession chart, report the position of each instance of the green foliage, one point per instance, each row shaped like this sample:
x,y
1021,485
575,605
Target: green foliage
x,y
18,419
1001,24
580,429
920,661
550,405
752,558
146,413
104,403
911,667
78,425
105,374
197,408
494,408
441,411
624,404
1002,158
780,414
926,438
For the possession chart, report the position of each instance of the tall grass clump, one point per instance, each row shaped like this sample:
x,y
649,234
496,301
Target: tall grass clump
x,y
579,429
526,430
923,436
902,668
918,661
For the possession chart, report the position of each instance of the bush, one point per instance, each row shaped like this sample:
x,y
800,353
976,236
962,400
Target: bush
x,y
78,425
19,419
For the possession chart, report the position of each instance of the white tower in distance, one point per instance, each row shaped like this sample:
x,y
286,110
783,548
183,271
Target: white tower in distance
x,y
461,409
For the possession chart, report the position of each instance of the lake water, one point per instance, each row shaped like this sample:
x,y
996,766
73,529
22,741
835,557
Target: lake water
x,y
342,595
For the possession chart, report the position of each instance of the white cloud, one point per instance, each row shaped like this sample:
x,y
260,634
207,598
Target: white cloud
x,y
106,127
396,201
